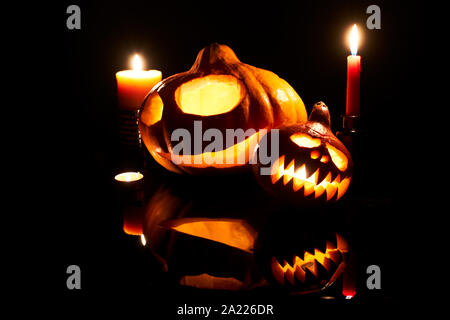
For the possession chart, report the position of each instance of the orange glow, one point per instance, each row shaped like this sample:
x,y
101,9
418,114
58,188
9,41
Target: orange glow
x,y
233,232
309,184
133,217
325,159
315,154
338,157
206,281
128,176
309,262
153,113
133,226
304,140
210,95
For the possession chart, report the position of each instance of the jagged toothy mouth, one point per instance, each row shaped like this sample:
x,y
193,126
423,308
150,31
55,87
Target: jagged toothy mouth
x,y
331,185
317,265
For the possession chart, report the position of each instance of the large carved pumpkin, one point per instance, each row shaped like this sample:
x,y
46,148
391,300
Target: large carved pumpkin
x,y
303,256
204,237
312,166
217,94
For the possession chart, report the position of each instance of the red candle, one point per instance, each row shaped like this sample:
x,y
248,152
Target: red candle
x,y
349,277
353,75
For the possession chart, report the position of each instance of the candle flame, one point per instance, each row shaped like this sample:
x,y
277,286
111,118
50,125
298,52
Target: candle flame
x,y
137,63
354,39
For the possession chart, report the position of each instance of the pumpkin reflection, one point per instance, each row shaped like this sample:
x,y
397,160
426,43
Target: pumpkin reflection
x,y
235,233
202,239
304,256
327,264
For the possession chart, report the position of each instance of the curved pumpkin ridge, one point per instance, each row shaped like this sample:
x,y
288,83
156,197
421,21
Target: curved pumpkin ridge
x,y
271,86
262,105
288,110
296,101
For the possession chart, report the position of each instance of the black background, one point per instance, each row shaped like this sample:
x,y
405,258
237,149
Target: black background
x,y
301,41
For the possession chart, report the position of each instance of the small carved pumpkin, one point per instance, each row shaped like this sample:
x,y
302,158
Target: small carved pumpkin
x,y
313,165
301,260
219,92
202,239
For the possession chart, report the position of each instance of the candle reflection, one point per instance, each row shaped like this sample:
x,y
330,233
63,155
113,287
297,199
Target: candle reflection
x,y
128,176
143,240
130,192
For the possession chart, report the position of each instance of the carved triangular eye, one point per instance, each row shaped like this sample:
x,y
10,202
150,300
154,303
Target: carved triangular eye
x,y
339,159
304,140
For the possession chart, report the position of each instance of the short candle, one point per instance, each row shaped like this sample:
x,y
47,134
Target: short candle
x,y
133,85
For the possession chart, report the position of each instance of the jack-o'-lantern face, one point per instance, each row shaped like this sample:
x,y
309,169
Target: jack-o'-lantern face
x,y
218,93
313,165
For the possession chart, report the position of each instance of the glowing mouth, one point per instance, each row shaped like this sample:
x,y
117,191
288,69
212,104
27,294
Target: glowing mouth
x,y
236,155
309,184
317,264
206,281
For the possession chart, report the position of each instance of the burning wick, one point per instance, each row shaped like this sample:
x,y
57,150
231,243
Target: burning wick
x,y
137,63
354,39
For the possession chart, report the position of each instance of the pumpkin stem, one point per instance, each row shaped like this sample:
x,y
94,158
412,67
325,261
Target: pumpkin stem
x,y
321,114
214,54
